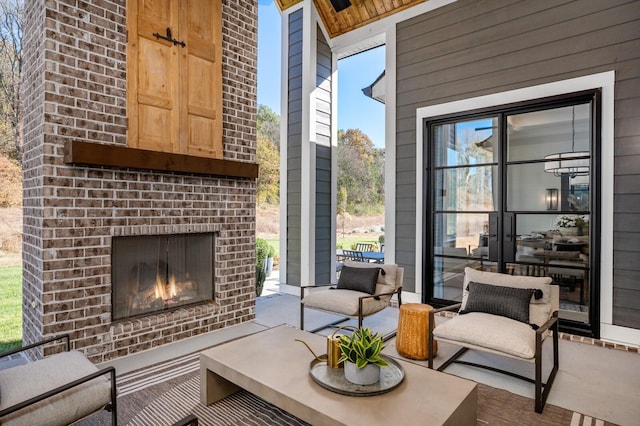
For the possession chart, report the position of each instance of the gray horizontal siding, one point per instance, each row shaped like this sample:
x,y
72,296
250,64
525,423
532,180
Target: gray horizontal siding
x,y
323,219
476,47
294,148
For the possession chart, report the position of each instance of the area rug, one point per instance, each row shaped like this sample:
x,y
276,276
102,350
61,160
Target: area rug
x,y
164,393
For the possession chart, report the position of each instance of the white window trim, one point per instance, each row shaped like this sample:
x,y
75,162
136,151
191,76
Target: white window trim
x,y
604,81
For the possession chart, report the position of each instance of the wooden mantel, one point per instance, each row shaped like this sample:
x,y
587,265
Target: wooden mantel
x,y
94,154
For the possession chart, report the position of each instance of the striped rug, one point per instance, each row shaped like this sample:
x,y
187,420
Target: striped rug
x,y
242,408
162,394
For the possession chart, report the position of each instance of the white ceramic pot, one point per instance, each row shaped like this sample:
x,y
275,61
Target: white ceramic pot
x,y
570,232
368,375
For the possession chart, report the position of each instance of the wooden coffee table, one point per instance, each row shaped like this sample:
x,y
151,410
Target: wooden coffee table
x,y
273,366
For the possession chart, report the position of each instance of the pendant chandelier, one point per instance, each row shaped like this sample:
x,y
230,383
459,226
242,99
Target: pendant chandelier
x,y
566,163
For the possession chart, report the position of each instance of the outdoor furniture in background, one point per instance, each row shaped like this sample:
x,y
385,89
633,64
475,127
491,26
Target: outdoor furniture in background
x,y
364,247
353,255
494,322
413,331
351,303
372,256
57,390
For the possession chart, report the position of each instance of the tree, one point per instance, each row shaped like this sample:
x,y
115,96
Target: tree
x,y
268,156
269,124
360,170
11,32
269,174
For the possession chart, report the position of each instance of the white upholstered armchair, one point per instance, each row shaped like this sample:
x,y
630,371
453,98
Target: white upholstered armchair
x,y
506,315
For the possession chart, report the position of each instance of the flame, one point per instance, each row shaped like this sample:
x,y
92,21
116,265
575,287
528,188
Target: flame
x,y
159,290
173,292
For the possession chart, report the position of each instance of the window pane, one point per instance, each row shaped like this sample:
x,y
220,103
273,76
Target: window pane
x,y
459,234
465,142
529,188
464,188
536,135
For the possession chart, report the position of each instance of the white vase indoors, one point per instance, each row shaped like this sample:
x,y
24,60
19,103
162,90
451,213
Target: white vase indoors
x,y
571,231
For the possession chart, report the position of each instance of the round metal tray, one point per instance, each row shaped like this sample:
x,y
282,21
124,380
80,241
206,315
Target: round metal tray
x,y
333,379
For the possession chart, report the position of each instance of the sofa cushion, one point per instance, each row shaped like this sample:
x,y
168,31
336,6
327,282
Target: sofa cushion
x,y
358,279
489,331
26,381
343,301
510,302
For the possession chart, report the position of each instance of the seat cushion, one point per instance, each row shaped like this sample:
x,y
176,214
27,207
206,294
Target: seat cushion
x,y
343,302
496,333
26,381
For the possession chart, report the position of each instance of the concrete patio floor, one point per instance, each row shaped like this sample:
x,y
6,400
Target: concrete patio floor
x,y
598,382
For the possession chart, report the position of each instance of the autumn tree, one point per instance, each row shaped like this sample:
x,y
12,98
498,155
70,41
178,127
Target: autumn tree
x,y
269,176
360,170
11,27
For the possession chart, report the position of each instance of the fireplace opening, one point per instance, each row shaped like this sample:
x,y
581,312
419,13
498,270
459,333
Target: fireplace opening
x,y
154,273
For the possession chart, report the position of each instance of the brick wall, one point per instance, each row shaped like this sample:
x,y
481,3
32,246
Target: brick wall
x,y
75,86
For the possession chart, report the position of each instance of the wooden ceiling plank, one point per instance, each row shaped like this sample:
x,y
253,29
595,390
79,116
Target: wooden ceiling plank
x,y
381,8
359,14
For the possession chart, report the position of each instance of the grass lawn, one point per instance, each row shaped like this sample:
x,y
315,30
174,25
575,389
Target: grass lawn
x,y
342,242
10,308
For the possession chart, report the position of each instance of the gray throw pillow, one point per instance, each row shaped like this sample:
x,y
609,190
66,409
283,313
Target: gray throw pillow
x,y
510,302
358,279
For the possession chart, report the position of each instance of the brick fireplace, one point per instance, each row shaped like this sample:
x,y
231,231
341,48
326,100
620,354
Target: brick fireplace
x,y
75,97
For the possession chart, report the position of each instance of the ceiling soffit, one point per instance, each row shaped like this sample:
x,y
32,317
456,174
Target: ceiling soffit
x,y
359,14
286,4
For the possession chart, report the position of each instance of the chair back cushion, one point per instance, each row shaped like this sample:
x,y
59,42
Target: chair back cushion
x,y
386,283
510,302
540,310
358,279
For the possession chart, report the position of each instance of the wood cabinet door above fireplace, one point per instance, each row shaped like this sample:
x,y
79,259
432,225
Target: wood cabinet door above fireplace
x,y
174,76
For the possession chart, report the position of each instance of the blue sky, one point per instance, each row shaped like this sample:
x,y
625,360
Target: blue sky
x,y
355,111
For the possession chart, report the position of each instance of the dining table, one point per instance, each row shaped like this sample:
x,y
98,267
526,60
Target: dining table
x,y
373,256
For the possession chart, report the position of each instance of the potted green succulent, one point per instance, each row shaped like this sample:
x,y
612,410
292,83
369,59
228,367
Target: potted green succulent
x,y
361,356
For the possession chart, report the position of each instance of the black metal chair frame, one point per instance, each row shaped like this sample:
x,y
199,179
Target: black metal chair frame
x,y
541,388
112,406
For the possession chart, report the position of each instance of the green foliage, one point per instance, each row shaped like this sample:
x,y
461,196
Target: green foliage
x,y
362,347
10,308
262,253
268,124
342,200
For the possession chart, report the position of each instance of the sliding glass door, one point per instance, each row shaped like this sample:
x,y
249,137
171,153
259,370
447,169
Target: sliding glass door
x,y
513,191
